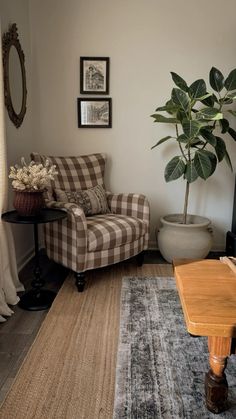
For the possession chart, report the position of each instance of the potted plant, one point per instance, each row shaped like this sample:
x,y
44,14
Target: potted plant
x,y
199,118
29,182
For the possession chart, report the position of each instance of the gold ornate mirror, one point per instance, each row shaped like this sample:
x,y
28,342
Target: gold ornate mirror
x,y
14,76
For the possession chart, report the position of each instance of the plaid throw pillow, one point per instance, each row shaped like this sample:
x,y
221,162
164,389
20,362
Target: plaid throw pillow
x,y
93,200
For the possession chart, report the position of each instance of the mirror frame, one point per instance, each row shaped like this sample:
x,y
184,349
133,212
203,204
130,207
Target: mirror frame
x,y
9,39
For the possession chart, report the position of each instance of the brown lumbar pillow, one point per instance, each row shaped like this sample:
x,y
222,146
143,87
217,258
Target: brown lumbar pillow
x,y
93,200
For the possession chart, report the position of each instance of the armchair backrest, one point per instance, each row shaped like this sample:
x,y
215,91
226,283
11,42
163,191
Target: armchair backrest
x,y
75,173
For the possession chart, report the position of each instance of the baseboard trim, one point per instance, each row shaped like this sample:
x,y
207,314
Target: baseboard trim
x,y
152,245
216,247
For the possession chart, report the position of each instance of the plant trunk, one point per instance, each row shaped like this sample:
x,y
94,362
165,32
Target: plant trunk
x,y
186,203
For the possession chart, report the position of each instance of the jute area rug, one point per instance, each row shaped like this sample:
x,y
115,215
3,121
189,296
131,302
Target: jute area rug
x,y
69,373
160,367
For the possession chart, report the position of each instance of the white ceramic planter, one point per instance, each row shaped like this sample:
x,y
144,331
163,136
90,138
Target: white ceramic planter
x,y
189,241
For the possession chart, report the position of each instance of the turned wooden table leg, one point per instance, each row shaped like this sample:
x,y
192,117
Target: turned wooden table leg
x,y
216,386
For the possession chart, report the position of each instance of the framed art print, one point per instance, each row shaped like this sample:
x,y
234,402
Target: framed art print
x,y
94,75
94,113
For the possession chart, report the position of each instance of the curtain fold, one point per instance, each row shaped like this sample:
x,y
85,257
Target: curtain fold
x,y
9,282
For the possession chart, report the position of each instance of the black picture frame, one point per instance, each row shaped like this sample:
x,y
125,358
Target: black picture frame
x,y
94,112
94,75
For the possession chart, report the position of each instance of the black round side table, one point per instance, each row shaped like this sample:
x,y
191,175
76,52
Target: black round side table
x,y
37,298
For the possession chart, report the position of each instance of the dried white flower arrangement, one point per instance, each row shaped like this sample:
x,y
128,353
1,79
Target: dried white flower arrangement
x,y
32,177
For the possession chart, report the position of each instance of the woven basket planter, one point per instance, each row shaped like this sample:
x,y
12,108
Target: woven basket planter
x,y
27,203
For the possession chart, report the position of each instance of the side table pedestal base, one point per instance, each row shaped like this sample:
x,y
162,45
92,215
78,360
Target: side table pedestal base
x,y
36,300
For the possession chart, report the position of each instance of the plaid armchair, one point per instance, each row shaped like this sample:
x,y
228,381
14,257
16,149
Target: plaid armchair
x,y
81,243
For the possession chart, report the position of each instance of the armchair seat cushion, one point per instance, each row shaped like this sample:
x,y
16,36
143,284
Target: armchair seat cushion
x,y
113,230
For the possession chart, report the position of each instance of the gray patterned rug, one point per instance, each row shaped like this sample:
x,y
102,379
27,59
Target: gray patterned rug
x,y
160,367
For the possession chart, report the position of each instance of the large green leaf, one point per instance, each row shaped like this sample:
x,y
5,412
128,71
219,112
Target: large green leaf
x,y
213,160
228,161
180,98
209,101
181,83
183,138
161,108
231,95
161,118
232,132
195,142
169,107
204,97
216,79
232,112
230,82
202,164
191,128
181,115
174,169
226,101
209,114
191,174
220,148
163,140
197,89
224,125
208,136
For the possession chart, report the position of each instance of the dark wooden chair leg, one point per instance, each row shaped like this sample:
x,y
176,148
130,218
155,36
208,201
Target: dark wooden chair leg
x,y
80,281
140,258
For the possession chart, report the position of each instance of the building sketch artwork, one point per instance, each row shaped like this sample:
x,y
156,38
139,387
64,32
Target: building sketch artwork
x,y
94,76
95,113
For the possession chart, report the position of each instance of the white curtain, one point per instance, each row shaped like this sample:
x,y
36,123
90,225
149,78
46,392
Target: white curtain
x,y
9,282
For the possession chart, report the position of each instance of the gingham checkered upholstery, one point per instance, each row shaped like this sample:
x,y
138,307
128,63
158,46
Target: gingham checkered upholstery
x,y
81,243
74,173
112,230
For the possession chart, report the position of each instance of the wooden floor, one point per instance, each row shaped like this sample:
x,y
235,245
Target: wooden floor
x,y
18,333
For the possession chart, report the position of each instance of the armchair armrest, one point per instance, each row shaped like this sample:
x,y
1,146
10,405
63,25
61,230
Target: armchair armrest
x,y
70,208
69,234
134,205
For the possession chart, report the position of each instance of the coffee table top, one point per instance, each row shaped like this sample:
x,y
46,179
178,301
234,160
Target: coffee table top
x,y
207,290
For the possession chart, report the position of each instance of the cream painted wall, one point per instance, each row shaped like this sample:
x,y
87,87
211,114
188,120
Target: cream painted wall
x,y
19,140
145,40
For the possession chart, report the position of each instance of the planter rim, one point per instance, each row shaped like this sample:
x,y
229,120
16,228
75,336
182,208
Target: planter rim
x,y
196,221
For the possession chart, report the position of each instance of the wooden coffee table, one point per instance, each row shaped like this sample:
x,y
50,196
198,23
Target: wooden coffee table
x,y
207,290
